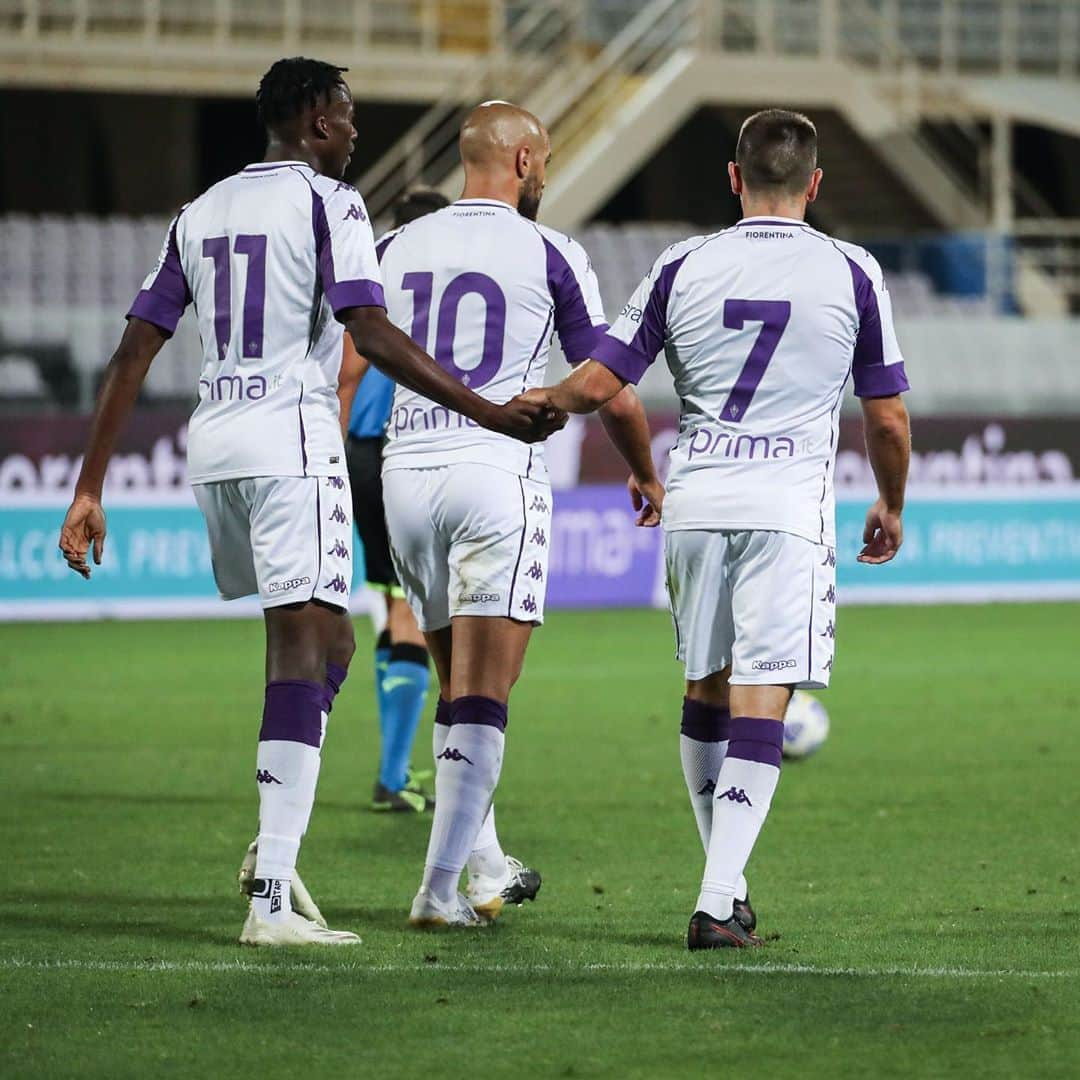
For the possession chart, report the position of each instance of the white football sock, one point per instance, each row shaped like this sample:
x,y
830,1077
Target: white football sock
x,y
701,763
744,792
287,772
487,856
467,773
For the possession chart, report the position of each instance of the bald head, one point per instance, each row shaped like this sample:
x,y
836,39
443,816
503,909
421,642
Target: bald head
x,y
494,132
504,150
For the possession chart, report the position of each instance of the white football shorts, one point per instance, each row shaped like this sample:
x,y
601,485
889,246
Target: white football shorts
x,y
469,540
763,602
287,538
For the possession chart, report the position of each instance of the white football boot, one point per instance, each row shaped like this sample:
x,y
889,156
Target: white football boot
x,y
428,912
488,894
302,903
293,930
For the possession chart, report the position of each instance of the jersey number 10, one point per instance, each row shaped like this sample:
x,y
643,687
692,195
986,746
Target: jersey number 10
x,y
421,285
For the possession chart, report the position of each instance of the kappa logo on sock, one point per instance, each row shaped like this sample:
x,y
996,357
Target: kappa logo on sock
x,y
264,776
708,788
453,755
735,795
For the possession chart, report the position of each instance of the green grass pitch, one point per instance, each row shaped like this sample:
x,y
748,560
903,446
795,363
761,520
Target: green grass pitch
x,y
919,880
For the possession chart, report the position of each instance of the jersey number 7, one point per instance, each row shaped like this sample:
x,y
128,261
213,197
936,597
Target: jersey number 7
x,y
773,316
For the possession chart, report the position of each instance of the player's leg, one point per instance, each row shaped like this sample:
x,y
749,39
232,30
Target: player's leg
x,y
773,644
487,657
500,526
301,546
405,682
401,662
495,878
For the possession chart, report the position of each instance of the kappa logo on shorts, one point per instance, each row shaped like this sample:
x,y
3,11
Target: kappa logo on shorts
x,y
829,631
536,572
708,788
453,755
539,537
827,666
830,558
337,584
539,503
264,776
830,595
284,586
479,598
339,551
735,795
338,515
529,604
335,482
772,665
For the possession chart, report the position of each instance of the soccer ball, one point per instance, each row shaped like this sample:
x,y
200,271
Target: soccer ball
x,y
806,725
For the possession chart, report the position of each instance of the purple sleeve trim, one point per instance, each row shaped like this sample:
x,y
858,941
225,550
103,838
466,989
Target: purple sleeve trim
x,y
883,380
168,294
350,294
575,328
324,254
622,359
382,245
873,377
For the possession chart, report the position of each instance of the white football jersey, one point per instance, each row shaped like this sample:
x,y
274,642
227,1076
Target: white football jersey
x,y
761,325
268,257
482,289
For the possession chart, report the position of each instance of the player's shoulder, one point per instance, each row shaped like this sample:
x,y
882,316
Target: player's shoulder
x,y
693,250
853,253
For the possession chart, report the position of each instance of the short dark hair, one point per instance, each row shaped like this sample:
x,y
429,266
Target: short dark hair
x,y
293,85
416,203
777,149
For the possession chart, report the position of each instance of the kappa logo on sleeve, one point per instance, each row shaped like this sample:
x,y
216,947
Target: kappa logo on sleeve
x,y
355,213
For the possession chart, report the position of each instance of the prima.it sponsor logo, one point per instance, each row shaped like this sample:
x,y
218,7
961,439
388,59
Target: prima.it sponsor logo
x,y
289,583
772,665
233,388
709,442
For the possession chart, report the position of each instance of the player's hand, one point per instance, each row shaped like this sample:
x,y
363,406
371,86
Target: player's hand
x,y
883,535
83,530
648,500
530,417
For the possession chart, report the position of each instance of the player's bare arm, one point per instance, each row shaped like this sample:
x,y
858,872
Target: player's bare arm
x,y
394,353
84,525
627,427
587,388
353,369
888,446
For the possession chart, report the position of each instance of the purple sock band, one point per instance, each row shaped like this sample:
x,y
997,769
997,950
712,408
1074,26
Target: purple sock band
x,y
335,676
293,712
475,709
756,739
442,712
705,723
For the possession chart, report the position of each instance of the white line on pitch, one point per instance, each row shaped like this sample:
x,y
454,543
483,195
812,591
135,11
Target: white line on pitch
x,y
225,967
